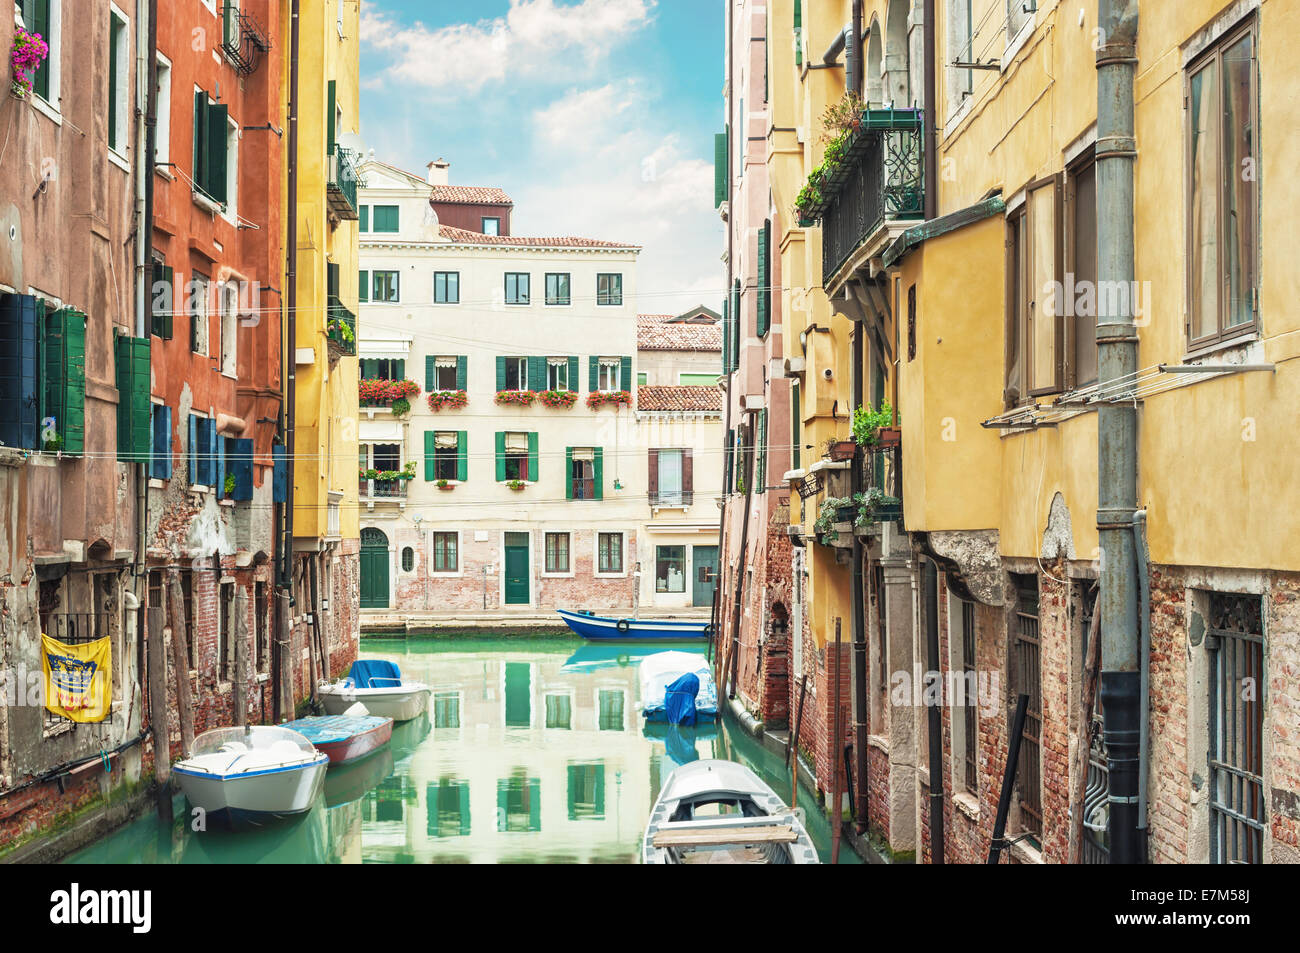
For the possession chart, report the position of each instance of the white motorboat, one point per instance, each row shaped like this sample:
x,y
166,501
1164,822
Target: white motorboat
x,y
251,773
380,687
720,812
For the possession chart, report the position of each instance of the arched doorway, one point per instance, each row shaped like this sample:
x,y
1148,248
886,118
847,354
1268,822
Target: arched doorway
x,y
374,569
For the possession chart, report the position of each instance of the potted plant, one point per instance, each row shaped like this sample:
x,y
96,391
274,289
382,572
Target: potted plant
x,y
870,426
840,450
444,484
521,398
28,51
832,511
559,399
454,399
401,407
516,484
229,485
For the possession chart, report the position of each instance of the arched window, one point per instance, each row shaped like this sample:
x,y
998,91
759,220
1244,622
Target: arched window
x,y
871,93
408,559
897,84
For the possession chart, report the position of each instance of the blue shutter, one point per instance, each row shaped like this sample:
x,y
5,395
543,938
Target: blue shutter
x,y
192,450
242,467
279,474
220,443
19,399
215,446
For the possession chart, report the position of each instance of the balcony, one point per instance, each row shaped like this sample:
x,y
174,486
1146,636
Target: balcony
x,y
884,470
341,330
879,181
243,39
341,191
382,489
682,498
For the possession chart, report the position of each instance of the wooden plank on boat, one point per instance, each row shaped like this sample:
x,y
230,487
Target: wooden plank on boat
x,y
719,836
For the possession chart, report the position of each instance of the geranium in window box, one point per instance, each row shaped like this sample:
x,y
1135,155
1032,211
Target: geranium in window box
x,y
28,51
616,398
560,399
451,399
522,398
444,484
379,393
516,484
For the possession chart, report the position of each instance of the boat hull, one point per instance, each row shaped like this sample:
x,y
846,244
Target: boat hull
x,y
601,629
358,746
343,739
254,796
399,704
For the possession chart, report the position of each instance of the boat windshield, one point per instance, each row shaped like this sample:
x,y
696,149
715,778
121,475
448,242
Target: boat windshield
x,y
262,739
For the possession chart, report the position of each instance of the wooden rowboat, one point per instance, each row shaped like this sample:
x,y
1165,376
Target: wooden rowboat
x,y
344,738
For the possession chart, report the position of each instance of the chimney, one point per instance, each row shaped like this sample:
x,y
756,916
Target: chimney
x,y
439,173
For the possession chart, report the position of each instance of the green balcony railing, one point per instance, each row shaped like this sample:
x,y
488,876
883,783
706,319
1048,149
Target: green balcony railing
x,y
341,329
343,183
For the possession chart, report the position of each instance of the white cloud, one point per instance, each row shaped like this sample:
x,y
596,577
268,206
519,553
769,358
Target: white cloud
x,y
534,38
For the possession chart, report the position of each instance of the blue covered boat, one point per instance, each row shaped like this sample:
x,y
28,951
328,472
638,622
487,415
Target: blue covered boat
x,y
677,687
591,626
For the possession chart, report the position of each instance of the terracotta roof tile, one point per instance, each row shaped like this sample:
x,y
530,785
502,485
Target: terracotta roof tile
x,y
471,195
650,397
465,237
652,334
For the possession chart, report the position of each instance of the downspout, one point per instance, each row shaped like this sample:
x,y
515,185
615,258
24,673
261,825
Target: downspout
x,y
934,727
854,68
291,307
929,128
857,619
1144,621
144,245
726,387
1121,671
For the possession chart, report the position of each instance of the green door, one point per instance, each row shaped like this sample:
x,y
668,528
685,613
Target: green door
x,y
705,575
374,569
517,569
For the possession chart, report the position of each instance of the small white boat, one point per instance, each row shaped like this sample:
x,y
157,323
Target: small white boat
x,y
662,671
251,773
380,687
720,812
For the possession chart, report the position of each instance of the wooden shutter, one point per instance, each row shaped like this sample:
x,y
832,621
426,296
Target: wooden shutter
x,y
532,456
331,108
400,374
625,374
216,457
598,471
462,455
501,455
568,473
737,326
364,217
331,279
279,474
573,375
796,425
192,450
242,468
36,14
133,406
430,438
428,374
65,376
688,477
200,171
162,447
726,335
19,400
462,372
363,286
760,475
719,168
536,373
764,278
653,485
501,373
162,300
593,374
728,461
216,142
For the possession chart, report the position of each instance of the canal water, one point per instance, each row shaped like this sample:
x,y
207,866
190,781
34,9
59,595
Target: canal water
x,y
533,751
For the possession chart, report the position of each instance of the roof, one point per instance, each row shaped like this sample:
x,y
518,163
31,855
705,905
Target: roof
x,y
655,332
463,236
683,397
471,195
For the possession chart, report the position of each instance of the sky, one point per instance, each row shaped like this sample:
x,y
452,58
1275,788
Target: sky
x,y
596,116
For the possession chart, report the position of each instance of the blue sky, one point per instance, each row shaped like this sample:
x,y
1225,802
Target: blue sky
x,y
597,116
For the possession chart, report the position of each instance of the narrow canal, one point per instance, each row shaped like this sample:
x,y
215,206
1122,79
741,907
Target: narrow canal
x,y
533,751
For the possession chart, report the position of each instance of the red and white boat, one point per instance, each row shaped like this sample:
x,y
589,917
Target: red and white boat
x,y
344,738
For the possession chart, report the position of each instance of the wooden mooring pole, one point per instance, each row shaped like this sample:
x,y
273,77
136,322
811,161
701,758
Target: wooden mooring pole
x,y
162,755
833,749
181,661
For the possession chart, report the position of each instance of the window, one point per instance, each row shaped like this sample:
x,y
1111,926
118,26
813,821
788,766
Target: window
x,y
1238,680
516,373
163,131
557,552
518,449
384,288
231,210
612,705
517,287
43,17
961,615
491,226
119,59
229,328
670,569
557,373
557,289
959,81
161,300
446,287
609,289
408,559
259,624
363,286
1080,299
445,374
559,711
1017,17
225,631
385,218
609,557
641,378
1028,681
1034,343
608,379
445,552
383,369
519,803
202,451
446,710
187,600
211,139
587,791
446,455
585,476
671,477
696,380
1222,97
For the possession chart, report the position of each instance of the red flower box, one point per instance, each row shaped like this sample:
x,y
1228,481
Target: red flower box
x,y
520,397
598,399
452,399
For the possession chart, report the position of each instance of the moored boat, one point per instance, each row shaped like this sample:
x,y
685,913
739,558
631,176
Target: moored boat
x,y
344,738
667,693
252,773
720,812
380,686
591,626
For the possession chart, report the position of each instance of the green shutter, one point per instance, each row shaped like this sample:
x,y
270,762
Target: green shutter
x,y
429,438
363,286
330,100
462,372
36,14
401,371
729,460
593,374
719,168
161,301
726,336
501,373
65,376
764,279
133,408
625,374
737,325
536,373
428,372
573,375
216,179
364,217
798,32
568,473
501,456
598,471
462,455
532,456
331,279
760,476
796,426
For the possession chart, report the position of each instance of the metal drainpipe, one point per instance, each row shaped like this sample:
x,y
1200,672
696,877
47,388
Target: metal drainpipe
x,y
853,60
929,130
291,239
858,617
735,319
1144,620
934,727
145,190
1121,680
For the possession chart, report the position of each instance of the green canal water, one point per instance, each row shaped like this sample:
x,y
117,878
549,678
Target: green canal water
x,y
533,751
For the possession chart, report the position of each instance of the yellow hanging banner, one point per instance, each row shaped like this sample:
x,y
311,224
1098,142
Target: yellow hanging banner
x,y
78,678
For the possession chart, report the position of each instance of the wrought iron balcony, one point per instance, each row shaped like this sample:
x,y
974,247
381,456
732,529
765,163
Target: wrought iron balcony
x,y
343,183
341,329
243,38
672,498
880,179
382,489
885,471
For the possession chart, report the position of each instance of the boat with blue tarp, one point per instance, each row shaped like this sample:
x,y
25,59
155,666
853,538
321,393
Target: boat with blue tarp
x,y
677,687
591,626
380,686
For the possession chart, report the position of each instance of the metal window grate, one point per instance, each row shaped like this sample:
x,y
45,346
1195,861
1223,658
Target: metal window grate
x,y
1237,814
969,671
1029,681
1095,847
